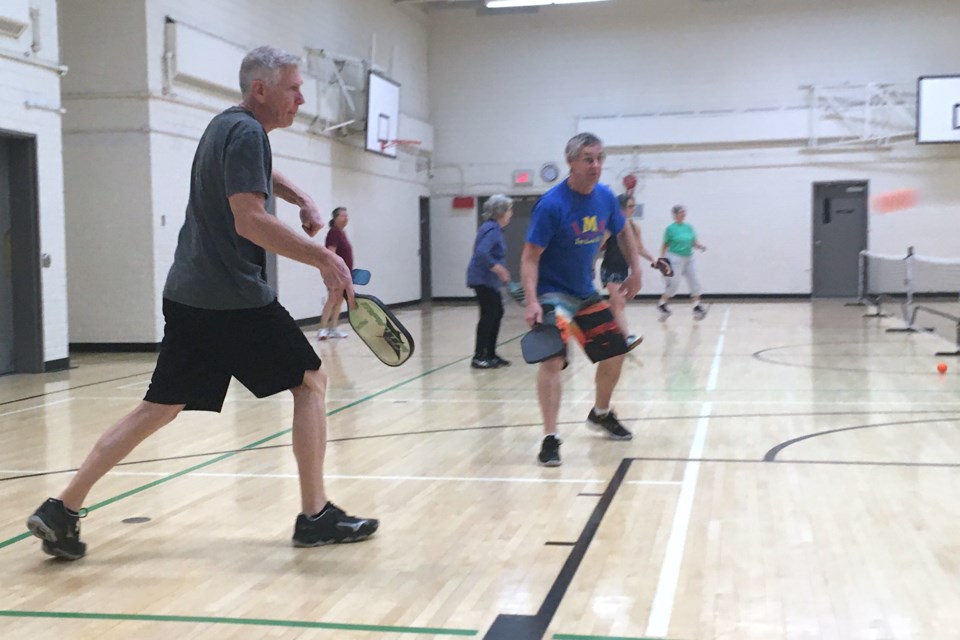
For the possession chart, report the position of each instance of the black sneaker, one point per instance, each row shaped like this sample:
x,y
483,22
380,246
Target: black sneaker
x,y
550,451
664,311
699,312
477,363
500,361
609,424
59,529
332,526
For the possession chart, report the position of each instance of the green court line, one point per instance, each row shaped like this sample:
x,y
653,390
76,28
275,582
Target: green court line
x,y
259,622
159,481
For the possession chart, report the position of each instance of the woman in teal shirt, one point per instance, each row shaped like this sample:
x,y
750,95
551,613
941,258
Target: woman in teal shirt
x,y
679,241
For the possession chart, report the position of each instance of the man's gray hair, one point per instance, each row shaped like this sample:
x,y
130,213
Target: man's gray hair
x,y
496,206
580,141
263,63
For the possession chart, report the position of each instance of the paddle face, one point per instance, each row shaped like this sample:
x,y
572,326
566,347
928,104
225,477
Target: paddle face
x,y
541,343
663,264
360,276
380,330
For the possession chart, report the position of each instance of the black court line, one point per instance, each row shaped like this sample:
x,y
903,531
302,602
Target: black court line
x,y
573,422
559,544
759,355
588,495
851,463
771,455
79,386
517,627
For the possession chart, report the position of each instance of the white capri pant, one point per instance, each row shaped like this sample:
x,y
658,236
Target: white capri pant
x,y
682,266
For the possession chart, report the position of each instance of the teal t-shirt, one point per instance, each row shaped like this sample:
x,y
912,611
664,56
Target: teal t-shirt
x,y
679,238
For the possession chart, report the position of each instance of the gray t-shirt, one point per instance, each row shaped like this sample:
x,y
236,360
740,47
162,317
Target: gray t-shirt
x,y
213,267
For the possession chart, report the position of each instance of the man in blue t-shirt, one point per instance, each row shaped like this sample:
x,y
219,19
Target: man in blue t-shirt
x,y
556,270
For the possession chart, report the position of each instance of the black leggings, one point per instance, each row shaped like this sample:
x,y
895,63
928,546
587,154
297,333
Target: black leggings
x,y
491,311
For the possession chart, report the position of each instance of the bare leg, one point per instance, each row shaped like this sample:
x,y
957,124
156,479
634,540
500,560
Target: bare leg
x,y
549,390
310,439
618,303
608,373
331,310
114,445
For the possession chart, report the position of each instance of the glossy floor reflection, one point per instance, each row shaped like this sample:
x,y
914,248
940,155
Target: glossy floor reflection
x,y
791,476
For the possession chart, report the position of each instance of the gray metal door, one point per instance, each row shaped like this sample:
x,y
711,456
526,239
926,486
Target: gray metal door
x,y
515,233
6,264
426,273
839,235
21,308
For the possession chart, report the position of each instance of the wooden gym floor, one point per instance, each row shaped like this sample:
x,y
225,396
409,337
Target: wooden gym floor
x,y
793,475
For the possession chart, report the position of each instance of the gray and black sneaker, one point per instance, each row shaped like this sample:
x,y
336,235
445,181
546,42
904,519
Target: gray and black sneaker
x,y
608,424
331,526
484,363
699,312
664,310
59,528
550,451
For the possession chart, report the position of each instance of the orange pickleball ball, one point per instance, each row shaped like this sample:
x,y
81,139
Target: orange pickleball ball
x,y
942,367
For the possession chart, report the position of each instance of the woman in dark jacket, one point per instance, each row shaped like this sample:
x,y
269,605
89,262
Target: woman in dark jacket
x,y
486,273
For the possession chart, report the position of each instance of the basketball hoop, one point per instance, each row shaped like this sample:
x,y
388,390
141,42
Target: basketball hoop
x,y
400,143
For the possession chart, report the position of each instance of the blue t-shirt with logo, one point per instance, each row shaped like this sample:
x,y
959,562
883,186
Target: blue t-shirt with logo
x,y
570,228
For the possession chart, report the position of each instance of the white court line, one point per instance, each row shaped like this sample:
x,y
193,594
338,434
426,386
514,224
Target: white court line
x,y
38,406
532,402
207,474
715,367
662,607
130,385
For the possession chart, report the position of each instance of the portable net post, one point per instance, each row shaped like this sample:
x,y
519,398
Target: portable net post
x,y
936,294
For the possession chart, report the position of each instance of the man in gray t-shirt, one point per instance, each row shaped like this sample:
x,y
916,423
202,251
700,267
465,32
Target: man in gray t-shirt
x,y
222,319
215,267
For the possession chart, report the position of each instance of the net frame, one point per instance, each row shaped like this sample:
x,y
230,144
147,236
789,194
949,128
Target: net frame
x,y
934,279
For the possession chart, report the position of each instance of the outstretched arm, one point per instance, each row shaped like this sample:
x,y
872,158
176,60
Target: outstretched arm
x,y
259,227
628,248
529,272
310,218
638,238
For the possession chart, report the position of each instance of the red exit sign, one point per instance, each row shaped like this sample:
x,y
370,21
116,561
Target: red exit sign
x,y
522,177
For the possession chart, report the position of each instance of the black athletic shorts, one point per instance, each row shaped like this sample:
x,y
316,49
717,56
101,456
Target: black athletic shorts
x,y
202,349
615,276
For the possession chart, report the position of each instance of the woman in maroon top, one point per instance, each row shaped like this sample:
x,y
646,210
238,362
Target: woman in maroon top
x,y
338,243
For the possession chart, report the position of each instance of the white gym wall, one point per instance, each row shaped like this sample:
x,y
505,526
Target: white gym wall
x,y
508,91
488,94
132,134
30,105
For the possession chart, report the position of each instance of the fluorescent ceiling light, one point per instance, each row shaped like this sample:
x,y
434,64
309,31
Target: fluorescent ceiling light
x,y
503,4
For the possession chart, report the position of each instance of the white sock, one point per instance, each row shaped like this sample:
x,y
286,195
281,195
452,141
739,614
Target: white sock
x,y
601,412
